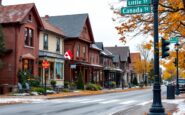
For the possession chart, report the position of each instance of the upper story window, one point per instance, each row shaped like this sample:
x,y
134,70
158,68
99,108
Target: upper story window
x,y
30,18
84,51
28,36
58,45
78,51
45,37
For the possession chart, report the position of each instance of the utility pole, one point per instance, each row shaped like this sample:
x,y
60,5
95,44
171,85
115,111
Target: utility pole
x,y
157,108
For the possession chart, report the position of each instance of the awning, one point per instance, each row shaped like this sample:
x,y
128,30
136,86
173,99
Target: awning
x,y
28,56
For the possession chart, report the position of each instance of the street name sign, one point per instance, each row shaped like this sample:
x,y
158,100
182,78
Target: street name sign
x,y
135,9
138,2
174,40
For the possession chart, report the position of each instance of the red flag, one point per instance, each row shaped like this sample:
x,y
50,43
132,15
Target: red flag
x,y
68,54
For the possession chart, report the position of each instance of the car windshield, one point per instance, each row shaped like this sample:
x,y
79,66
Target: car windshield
x,y
181,80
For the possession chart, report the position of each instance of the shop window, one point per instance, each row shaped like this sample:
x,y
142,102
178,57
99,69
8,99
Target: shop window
x,y
28,36
28,65
45,46
59,70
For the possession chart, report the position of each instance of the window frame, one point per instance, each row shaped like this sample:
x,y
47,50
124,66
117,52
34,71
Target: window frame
x,y
57,44
45,43
28,37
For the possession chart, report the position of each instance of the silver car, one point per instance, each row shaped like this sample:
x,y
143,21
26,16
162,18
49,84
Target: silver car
x,y
182,84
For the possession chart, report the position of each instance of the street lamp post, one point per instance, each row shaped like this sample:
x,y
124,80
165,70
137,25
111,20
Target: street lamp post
x,y
177,92
157,108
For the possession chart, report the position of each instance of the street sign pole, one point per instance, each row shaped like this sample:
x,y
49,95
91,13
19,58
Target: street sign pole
x,y
157,108
45,82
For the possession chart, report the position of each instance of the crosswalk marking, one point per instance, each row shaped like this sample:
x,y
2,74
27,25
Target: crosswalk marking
x,y
128,102
93,101
110,101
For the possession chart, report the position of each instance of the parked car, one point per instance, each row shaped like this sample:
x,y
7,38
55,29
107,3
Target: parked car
x,y
182,84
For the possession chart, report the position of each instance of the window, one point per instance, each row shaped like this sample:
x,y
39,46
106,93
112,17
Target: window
x,y
84,51
58,45
78,51
28,65
28,36
59,70
45,42
29,18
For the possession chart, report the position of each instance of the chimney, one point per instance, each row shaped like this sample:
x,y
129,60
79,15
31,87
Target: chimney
x,y
46,17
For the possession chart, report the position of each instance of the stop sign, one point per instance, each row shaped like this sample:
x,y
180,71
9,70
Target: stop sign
x,y
45,64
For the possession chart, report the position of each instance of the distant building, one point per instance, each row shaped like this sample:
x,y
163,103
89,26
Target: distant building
x,y
124,55
135,58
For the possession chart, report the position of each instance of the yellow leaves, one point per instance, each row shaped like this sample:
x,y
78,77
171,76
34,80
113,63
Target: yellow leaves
x,y
166,75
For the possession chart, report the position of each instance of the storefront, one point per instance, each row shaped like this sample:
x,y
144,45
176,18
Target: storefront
x,y
55,70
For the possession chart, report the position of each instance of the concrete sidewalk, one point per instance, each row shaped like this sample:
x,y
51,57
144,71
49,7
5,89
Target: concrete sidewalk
x,y
171,106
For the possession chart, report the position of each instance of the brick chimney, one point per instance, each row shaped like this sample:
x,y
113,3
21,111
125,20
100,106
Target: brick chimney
x,y
46,17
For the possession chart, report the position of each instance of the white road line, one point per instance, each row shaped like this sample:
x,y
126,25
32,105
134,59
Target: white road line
x,y
128,102
92,101
144,103
111,101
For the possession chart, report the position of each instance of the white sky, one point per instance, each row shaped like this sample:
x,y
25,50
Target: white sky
x,y
99,11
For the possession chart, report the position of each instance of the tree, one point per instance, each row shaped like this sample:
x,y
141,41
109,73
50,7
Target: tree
x,y
80,84
171,20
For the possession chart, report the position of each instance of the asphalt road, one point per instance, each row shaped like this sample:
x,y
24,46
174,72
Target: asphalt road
x,y
105,104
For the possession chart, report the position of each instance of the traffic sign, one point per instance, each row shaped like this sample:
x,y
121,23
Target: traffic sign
x,y
45,64
135,9
138,2
174,40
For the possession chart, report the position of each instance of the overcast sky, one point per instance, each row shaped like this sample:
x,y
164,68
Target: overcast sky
x,y
99,11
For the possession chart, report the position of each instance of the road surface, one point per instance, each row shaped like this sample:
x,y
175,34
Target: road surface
x,y
105,104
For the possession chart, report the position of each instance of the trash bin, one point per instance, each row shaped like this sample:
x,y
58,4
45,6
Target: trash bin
x,y
170,91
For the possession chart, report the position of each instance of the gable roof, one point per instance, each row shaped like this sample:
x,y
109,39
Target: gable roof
x,y
116,58
99,45
72,25
52,28
124,52
17,13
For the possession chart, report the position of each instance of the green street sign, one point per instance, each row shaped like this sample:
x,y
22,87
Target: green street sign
x,y
135,9
174,40
138,2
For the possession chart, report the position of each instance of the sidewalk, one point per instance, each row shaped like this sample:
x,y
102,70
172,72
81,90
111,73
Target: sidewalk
x,y
73,94
172,107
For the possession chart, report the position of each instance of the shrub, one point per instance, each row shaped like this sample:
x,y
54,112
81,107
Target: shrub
x,y
135,81
53,83
65,90
34,83
40,90
72,85
80,84
66,84
113,84
93,87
